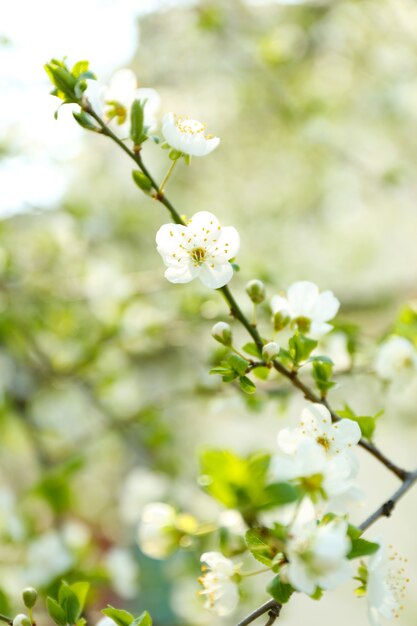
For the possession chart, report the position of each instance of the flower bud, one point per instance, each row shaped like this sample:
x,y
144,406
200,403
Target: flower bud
x,y
222,333
281,320
270,351
21,620
256,291
30,595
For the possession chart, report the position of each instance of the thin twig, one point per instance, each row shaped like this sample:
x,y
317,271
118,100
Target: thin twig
x,y
270,606
386,509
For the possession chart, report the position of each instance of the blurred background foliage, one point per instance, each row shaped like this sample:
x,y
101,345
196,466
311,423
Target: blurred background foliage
x,y
105,392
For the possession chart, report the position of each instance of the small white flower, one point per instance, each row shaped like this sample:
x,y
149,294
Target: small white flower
x,y
156,531
114,100
202,248
316,424
21,620
385,586
395,356
307,307
222,333
188,136
317,556
219,588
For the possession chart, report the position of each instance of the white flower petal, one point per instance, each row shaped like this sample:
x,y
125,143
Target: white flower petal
x,y
326,308
302,297
216,276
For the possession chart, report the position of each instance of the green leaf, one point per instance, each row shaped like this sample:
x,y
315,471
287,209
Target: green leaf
x,y
322,373
235,481
259,547
80,68
278,494
56,612
261,372
280,591
247,385
367,423
136,123
237,364
301,347
84,120
142,181
81,590
362,547
120,616
144,619
69,602
252,349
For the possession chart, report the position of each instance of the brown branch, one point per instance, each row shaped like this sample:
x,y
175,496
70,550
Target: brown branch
x,y
272,607
386,509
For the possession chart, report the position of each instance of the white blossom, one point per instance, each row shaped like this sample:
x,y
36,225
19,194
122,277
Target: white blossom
x,y
331,478
113,101
395,357
317,555
201,249
188,136
316,424
123,571
156,530
219,588
385,587
47,558
307,307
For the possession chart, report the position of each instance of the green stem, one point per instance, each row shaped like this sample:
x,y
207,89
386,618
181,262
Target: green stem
x,y
167,176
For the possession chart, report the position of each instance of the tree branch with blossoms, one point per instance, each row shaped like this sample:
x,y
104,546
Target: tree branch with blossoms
x,y
307,484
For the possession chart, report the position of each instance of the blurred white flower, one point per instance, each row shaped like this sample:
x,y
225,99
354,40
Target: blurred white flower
x,y
141,487
188,136
317,556
113,101
396,356
202,248
47,557
21,620
316,424
156,531
219,588
123,571
307,307
76,534
330,477
385,586
335,346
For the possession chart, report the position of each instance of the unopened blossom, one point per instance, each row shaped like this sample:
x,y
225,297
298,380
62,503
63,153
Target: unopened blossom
x,y
270,351
396,356
219,589
316,424
113,101
202,248
317,555
385,586
222,333
156,531
21,620
306,307
187,135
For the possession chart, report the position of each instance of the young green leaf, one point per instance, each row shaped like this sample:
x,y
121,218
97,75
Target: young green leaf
x,y
120,616
56,612
247,385
280,591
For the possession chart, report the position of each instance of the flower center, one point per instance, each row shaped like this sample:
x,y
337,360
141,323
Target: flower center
x,y
198,255
323,441
189,127
303,323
